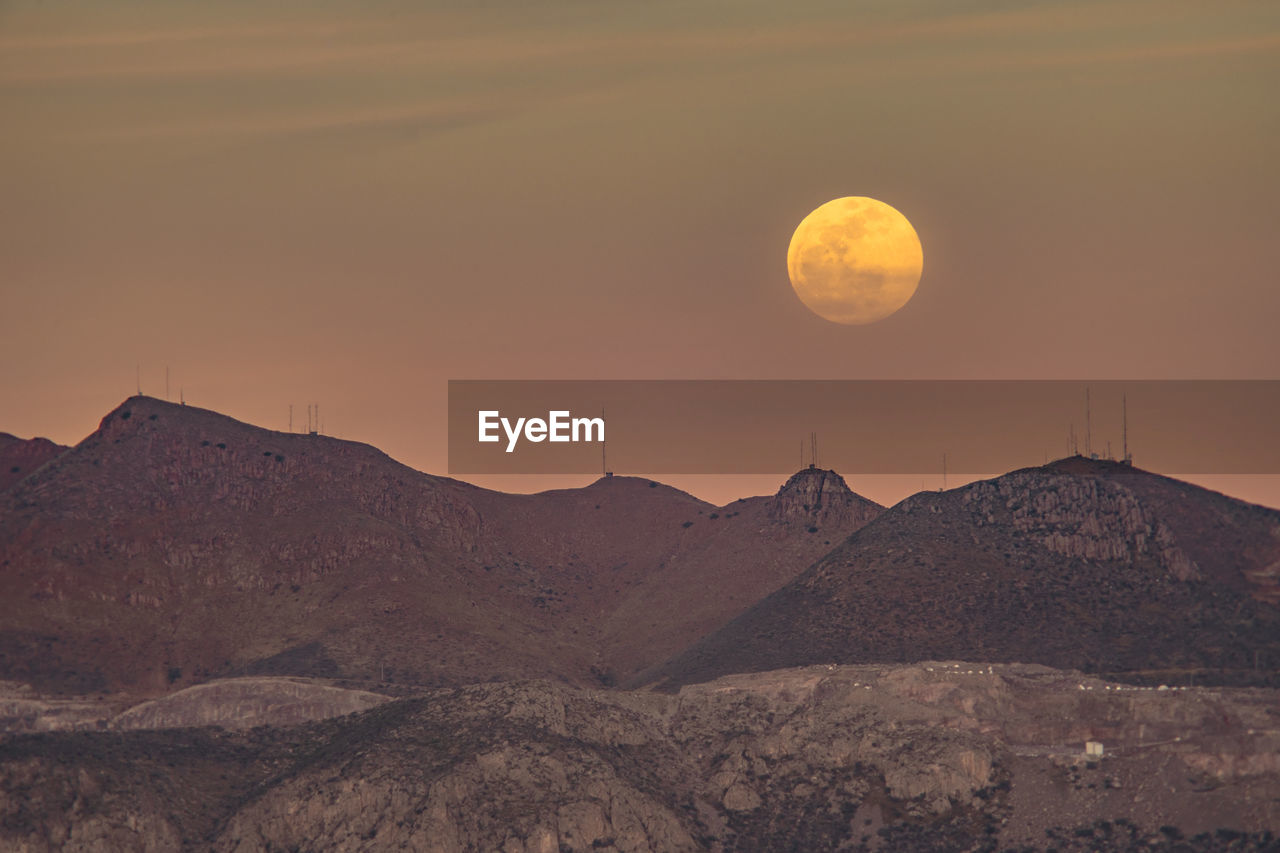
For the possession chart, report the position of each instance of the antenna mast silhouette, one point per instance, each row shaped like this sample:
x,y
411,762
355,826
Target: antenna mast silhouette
x,y
138,369
1088,425
1124,420
813,450
604,448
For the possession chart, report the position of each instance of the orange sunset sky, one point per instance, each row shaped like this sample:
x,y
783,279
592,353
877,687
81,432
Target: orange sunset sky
x,y
353,203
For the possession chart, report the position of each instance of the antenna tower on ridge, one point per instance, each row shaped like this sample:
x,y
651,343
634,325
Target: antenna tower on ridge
x,y
1124,419
1088,425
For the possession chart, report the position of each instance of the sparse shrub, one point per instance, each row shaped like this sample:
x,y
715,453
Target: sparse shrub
x,y
153,417
175,672
125,415
222,445
813,530
687,524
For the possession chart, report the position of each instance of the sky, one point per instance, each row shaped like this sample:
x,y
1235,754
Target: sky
x,y
352,203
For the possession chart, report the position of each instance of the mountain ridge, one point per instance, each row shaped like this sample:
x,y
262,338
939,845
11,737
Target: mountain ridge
x,y
176,543
1078,564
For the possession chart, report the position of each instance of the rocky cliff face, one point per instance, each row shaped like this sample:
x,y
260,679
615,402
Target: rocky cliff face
x,y
1094,566
1079,517
938,756
821,498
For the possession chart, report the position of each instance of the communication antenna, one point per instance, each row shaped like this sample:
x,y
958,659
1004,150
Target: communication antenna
x,y
813,450
319,430
1088,425
138,369
944,470
182,397
604,449
1124,420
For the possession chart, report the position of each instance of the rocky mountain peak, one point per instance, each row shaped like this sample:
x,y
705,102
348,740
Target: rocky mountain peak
x,y
820,497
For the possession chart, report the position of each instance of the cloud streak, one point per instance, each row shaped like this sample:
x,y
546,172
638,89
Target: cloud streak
x,y
365,45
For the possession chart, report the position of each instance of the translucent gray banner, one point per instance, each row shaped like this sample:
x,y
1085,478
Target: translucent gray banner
x,y
858,426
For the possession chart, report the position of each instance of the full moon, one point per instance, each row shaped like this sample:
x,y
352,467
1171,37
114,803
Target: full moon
x,y
855,260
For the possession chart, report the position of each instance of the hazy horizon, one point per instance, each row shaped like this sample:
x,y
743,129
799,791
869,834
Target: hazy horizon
x,y
723,489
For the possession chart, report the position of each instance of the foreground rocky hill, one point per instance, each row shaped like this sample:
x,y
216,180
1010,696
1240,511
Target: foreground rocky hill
x,y
1079,564
175,544
936,756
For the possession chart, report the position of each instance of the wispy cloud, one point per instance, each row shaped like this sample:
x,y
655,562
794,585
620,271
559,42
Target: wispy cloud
x,y
365,72
372,45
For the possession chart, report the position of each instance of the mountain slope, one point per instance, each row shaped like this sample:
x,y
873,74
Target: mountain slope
x,y
1079,564
19,457
176,544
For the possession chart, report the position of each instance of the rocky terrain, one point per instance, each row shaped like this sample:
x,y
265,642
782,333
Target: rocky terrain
x,y
234,703
175,545
934,756
1079,564
217,637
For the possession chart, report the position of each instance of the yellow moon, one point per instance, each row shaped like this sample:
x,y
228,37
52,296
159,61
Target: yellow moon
x,y
855,260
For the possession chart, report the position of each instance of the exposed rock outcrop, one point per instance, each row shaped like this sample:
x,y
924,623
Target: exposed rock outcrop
x,y
245,703
821,498
938,756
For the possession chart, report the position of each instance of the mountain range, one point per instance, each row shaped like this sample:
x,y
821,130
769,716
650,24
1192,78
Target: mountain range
x,y
220,637
175,544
